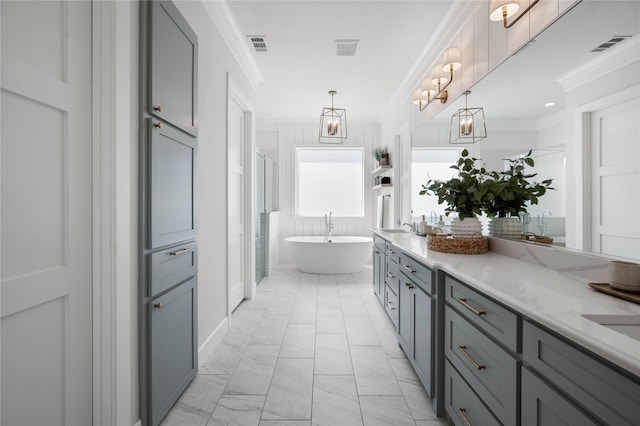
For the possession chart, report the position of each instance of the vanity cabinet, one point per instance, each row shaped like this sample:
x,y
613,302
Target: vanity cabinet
x,y
598,390
378,267
481,346
416,319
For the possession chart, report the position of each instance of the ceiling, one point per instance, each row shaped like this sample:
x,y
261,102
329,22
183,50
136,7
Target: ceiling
x,y
301,66
519,88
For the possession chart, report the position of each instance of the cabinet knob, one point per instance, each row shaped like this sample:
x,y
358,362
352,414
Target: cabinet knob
x,y
157,108
157,125
408,285
157,305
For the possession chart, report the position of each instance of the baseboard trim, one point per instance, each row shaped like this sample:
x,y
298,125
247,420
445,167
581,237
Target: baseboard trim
x,y
212,341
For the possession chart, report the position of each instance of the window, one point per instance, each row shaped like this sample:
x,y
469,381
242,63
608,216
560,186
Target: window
x,y
428,163
329,180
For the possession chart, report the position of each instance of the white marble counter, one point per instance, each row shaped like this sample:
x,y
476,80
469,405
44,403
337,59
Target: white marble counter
x,y
554,298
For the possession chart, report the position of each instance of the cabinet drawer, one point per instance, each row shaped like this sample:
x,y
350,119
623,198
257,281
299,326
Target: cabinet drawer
x,y
492,318
611,395
463,406
542,405
489,369
379,243
391,304
392,252
172,266
418,273
392,275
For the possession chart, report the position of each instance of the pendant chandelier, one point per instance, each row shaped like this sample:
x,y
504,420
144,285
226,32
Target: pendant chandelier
x,y
333,124
467,125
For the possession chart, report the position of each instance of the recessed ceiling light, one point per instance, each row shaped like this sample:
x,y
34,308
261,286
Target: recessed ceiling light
x,y
549,104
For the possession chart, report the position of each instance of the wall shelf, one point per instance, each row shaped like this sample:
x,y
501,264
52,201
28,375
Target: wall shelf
x,y
383,185
381,169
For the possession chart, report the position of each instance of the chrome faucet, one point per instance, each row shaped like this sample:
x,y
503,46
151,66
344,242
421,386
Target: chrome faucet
x,y
328,227
412,226
541,224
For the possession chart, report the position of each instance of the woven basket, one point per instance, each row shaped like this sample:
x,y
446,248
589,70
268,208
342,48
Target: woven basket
x,y
530,236
448,244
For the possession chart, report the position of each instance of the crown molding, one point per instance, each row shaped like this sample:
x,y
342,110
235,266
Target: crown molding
x,y
454,19
618,57
225,21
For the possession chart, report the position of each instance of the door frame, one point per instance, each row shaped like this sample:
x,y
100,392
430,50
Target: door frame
x,y
235,94
114,161
584,188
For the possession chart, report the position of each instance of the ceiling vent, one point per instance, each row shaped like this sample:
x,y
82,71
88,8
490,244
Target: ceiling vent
x,y
612,42
258,43
346,47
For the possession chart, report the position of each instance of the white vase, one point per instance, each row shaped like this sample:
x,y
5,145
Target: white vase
x,y
505,227
469,227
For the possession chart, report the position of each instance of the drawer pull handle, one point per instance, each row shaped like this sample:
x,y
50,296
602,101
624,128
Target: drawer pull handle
x,y
463,414
179,252
390,251
390,306
473,361
409,269
390,275
471,308
157,305
157,108
157,125
408,285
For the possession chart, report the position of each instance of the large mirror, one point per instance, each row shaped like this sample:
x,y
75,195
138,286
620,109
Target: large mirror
x,y
572,95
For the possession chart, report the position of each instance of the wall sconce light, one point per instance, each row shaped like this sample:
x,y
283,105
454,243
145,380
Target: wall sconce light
x,y
467,125
501,10
333,124
434,87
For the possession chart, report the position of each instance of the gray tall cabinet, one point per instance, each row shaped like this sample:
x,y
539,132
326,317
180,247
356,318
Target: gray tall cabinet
x,y
168,233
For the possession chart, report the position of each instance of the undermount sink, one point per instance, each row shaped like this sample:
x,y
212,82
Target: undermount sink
x,y
629,325
395,230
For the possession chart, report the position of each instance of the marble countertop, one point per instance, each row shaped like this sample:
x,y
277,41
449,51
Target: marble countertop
x,y
553,298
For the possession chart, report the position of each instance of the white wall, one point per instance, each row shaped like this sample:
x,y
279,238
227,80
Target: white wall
x,y
215,60
292,134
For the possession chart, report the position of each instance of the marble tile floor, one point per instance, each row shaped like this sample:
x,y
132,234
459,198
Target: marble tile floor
x,y
308,350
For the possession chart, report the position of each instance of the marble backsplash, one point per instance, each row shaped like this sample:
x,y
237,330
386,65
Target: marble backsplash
x,y
580,265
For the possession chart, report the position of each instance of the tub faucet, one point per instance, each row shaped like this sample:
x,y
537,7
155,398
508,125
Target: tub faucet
x,y
541,224
328,227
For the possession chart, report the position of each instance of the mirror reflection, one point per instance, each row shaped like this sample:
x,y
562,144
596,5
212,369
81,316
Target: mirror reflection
x,y
572,95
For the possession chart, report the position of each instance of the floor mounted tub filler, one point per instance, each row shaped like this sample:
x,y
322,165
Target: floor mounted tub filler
x,y
334,255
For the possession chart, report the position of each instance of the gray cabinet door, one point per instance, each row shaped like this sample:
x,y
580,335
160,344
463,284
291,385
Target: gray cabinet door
x,y
172,347
423,326
172,169
404,316
378,274
543,406
173,67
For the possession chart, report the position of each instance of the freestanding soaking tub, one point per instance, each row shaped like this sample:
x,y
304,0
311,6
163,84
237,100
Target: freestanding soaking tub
x,y
342,255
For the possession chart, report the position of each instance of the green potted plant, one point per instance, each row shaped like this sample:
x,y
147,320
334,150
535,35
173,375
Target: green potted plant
x,y
466,194
381,154
514,191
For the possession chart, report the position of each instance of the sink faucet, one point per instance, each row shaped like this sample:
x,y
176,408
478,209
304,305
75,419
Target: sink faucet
x,y
541,224
328,227
412,226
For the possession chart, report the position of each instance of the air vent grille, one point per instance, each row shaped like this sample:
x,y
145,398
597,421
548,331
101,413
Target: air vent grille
x,y
611,42
258,43
346,47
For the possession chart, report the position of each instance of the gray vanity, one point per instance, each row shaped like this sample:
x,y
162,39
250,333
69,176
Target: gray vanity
x,y
498,340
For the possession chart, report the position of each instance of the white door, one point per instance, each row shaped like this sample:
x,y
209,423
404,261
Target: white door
x,y
46,213
615,179
235,198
